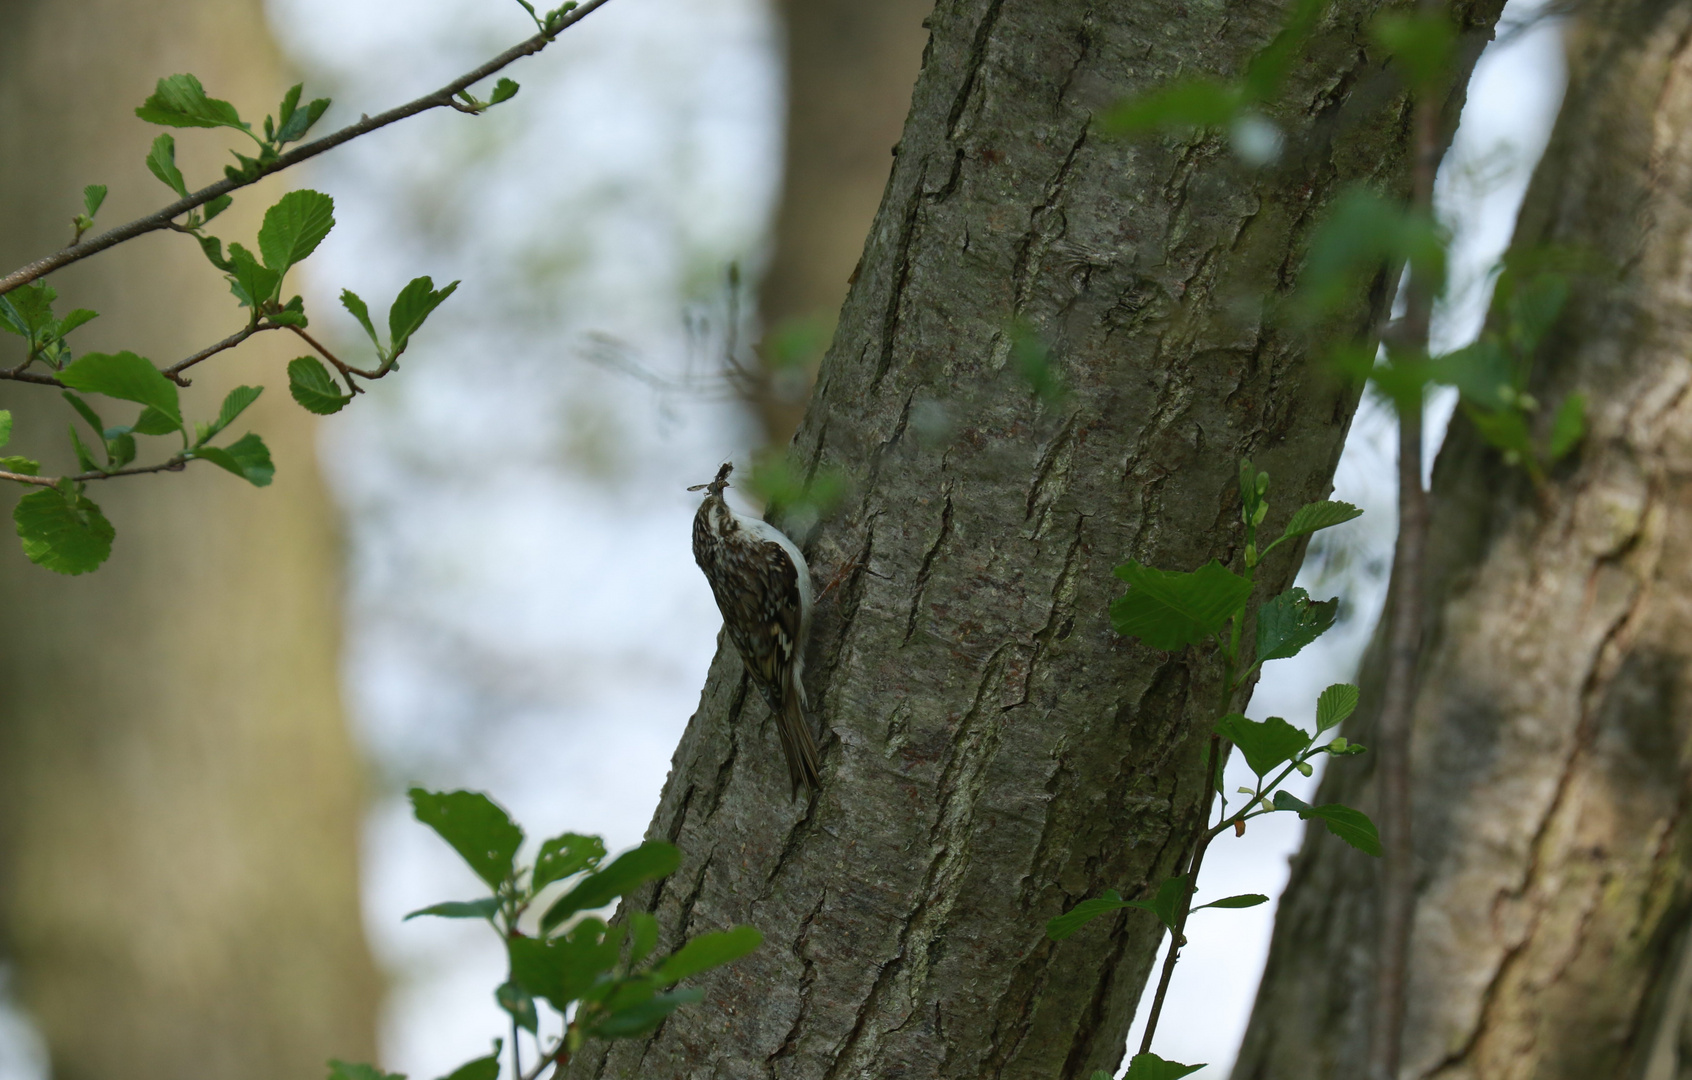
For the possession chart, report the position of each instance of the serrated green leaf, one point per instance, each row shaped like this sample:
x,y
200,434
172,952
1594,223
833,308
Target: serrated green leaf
x,y
476,827
78,317
1568,427
180,101
410,308
63,531
1352,826
252,283
650,861
504,90
212,209
246,457
1151,1067
1083,913
1265,743
120,450
92,196
32,308
153,422
1166,903
294,227
1289,622
485,908
705,952
15,464
1244,900
483,1068
564,855
85,411
1170,610
520,1005
563,968
311,385
234,404
1335,705
162,163
1312,517
350,1070
639,1019
213,248
84,456
360,311
5,426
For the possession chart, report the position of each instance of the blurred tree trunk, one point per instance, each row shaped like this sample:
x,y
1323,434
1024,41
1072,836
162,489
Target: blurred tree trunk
x,y
850,66
993,754
179,799
1554,853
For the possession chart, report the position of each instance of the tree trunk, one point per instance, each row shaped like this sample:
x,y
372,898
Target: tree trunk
x,y
993,754
181,802
1552,846
850,65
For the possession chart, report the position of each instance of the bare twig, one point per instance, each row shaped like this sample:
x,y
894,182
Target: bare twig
x,y
174,371
175,464
161,219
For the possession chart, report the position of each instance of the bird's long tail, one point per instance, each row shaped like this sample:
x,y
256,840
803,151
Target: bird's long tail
x,y
804,766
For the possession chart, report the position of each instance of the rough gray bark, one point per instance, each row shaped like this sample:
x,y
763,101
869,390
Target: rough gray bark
x,y
179,799
992,753
1555,705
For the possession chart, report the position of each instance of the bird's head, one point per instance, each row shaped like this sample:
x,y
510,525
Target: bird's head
x,y
716,486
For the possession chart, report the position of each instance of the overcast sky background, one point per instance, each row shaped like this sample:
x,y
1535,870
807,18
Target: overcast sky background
x,y
525,616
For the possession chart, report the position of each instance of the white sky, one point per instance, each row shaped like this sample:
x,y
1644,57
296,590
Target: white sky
x,y
526,615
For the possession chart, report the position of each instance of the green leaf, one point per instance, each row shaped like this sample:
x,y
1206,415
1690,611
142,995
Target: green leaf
x,y
92,196
120,450
1335,705
1169,610
1244,900
643,937
180,101
153,422
639,1019
84,456
485,908
83,410
31,309
291,314
27,466
410,308
706,952
1085,912
1481,371
246,457
5,426
1289,622
162,163
234,404
564,855
293,122
562,969
348,1070
63,531
1420,43
294,227
1167,902
520,1005
476,828
483,1068
253,284
1152,1067
1313,517
1506,429
1268,69
1187,103
78,317
1532,309
311,385
1568,427
504,90
648,862
1033,359
213,248
1265,743
212,209
1361,235
1352,826
360,311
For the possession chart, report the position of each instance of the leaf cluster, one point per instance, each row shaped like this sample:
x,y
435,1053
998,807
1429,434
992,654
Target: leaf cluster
x,y
602,981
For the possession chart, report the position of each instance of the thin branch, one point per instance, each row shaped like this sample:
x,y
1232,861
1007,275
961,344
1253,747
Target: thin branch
x,y
176,464
18,374
161,219
174,371
347,370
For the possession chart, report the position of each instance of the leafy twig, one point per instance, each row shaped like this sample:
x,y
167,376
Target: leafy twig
x,y
161,219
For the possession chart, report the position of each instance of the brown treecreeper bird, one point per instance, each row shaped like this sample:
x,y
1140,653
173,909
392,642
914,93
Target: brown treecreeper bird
x,y
763,588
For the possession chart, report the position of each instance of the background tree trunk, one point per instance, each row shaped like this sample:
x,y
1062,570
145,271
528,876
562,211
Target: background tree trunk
x,y
850,66
1555,706
992,752
181,807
